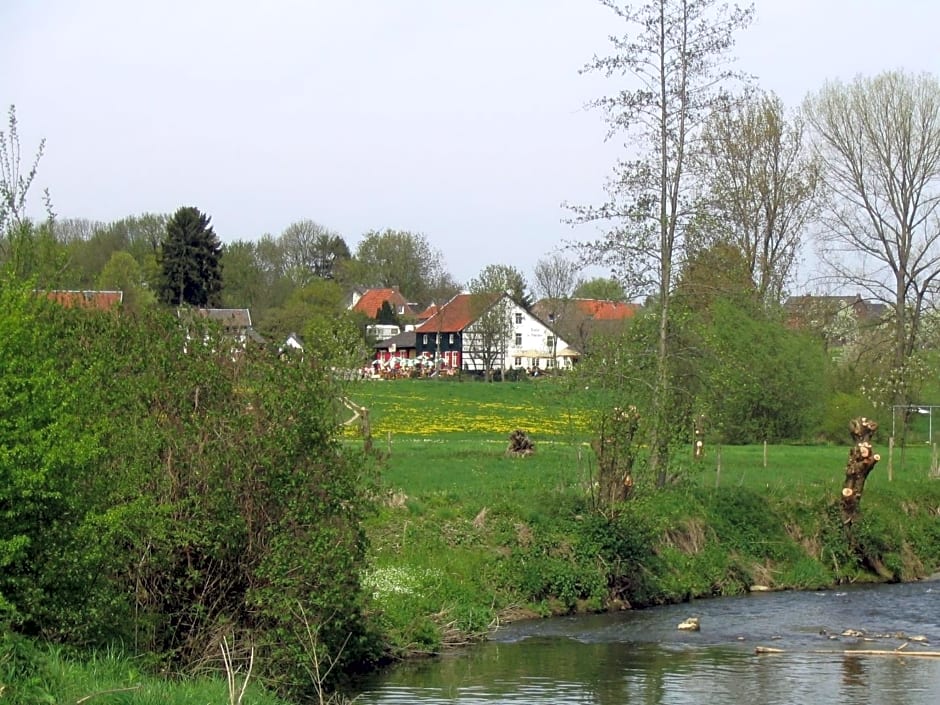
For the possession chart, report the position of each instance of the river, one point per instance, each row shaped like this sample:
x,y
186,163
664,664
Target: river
x,y
641,657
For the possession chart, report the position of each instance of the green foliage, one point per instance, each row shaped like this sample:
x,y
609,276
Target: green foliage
x,y
122,273
502,278
761,381
840,407
402,259
155,489
603,288
190,258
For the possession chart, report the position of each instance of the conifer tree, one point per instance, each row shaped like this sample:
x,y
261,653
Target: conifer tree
x,y
191,253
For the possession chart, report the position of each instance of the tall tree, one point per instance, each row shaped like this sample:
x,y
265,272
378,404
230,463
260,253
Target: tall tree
x,y
398,258
555,277
674,57
190,257
554,281
879,139
311,250
762,186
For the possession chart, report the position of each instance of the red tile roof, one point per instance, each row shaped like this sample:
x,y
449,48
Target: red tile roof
x,y
458,313
101,300
371,302
600,310
428,312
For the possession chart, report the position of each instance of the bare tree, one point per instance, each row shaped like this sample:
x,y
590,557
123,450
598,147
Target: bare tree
x,y
312,251
762,187
673,60
879,139
492,295
15,181
554,281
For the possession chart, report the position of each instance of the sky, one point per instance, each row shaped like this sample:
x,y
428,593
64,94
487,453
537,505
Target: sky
x,y
463,121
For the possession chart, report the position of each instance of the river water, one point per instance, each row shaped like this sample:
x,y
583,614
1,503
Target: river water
x,y
641,657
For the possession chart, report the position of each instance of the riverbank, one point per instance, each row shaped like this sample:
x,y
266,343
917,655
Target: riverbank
x,y
460,547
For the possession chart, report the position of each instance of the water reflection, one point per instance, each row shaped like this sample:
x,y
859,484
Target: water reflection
x,y
640,657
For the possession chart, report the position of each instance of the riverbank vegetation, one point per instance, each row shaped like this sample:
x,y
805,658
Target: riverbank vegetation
x,y
468,536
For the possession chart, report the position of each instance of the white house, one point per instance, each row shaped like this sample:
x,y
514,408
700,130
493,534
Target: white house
x,y
480,332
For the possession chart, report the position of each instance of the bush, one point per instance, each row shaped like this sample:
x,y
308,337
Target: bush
x,y
164,490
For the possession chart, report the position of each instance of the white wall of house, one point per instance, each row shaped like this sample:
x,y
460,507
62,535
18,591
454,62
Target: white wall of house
x,y
529,344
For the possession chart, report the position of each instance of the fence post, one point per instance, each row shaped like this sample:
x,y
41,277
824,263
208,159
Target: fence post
x,y
890,458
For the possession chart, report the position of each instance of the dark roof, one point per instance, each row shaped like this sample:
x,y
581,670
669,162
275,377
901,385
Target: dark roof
x,y
402,341
228,318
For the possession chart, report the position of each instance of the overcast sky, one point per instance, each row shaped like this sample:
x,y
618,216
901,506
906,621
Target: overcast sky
x,y
460,120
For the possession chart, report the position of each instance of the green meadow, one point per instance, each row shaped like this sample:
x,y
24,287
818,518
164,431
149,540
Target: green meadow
x,y
466,536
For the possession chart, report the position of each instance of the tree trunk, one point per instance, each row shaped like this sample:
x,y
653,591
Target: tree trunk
x,y
862,460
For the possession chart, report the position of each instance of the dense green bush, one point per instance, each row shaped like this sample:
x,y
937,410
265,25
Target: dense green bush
x,y
159,488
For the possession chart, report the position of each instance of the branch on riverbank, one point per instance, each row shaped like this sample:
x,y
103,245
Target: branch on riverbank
x,y
769,650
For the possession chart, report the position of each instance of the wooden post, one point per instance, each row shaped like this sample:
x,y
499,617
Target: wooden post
x,y
765,455
388,442
891,459
718,466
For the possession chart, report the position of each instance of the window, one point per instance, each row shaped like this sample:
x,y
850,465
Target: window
x,y
550,341
518,339
451,339
518,319
425,340
518,362
401,310
550,363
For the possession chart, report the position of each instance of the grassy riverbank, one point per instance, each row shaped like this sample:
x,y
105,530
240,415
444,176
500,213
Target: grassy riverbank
x,y
467,536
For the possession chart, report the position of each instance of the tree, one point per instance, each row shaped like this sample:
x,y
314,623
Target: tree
x,y
398,258
554,280
492,294
762,186
311,250
602,288
503,278
14,181
720,271
676,60
879,140
190,257
123,273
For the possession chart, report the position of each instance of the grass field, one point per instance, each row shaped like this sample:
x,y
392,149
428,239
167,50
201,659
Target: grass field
x,y
466,534
451,437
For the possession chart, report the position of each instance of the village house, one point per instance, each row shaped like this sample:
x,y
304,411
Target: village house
x,y
370,303
462,335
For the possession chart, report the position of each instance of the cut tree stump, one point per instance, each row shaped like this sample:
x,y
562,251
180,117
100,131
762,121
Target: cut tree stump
x,y
862,460
520,443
